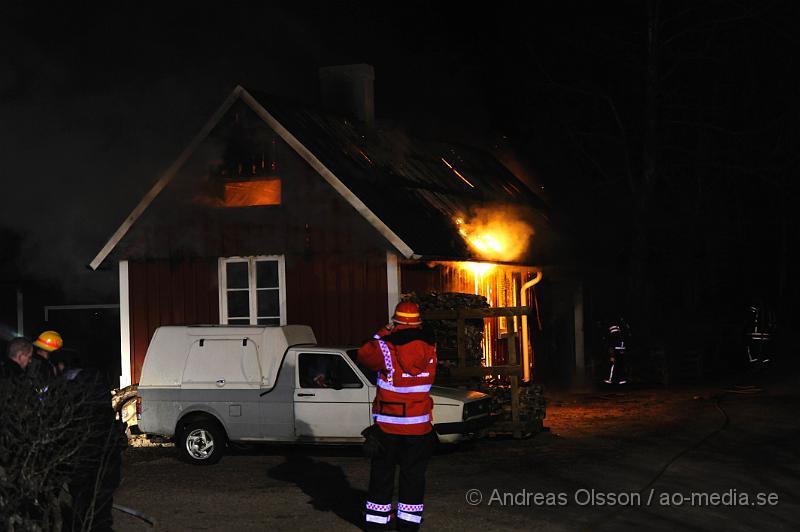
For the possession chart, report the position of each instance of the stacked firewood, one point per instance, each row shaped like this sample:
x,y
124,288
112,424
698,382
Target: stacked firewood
x,y
532,403
446,331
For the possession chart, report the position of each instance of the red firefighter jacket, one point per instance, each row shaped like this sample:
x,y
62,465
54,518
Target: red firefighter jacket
x,y
405,359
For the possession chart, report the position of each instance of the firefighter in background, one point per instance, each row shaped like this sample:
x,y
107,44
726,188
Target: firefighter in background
x,y
759,334
41,366
615,340
404,355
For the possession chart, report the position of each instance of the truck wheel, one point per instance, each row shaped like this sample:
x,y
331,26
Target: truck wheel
x,y
201,442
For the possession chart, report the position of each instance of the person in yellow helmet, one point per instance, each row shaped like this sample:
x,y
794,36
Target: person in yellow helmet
x,y
40,364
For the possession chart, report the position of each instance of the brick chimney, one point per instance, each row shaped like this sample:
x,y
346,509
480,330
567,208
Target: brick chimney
x,y
349,90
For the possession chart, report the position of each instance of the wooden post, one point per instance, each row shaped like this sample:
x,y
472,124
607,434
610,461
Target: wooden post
x,y
512,360
461,341
511,338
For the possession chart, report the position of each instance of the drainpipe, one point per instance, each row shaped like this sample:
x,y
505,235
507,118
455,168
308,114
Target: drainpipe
x,y
526,355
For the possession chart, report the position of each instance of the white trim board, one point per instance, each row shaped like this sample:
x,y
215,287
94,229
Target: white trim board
x,y
392,281
20,313
124,326
49,308
328,175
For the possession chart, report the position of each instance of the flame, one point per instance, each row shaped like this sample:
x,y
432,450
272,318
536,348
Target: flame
x,y
364,155
495,234
249,193
450,166
477,268
252,193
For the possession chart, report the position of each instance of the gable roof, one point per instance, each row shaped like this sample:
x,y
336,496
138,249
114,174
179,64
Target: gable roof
x,y
409,191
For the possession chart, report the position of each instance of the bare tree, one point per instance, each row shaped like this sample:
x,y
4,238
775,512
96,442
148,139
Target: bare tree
x,y
49,433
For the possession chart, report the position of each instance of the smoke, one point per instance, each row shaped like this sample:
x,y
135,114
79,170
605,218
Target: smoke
x,y
499,233
91,118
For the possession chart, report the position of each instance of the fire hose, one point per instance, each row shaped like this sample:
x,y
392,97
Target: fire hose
x,y
136,513
725,422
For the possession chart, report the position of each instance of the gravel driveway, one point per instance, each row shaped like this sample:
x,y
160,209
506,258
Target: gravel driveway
x,y
690,459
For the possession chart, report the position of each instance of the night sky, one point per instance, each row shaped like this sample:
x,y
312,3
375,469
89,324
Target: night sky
x,y
95,102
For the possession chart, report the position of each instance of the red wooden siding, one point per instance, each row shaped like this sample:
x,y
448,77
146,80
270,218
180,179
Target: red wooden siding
x,y
420,278
164,293
343,300
335,260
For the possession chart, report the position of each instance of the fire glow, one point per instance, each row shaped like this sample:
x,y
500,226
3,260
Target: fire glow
x,y
252,193
495,235
477,268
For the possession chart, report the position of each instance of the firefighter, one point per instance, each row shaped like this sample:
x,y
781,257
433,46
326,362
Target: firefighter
x,y
41,366
18,357
404,355
759,334
616,350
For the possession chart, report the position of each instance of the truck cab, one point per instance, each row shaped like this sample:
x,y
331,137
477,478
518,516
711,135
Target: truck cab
x,y
207,386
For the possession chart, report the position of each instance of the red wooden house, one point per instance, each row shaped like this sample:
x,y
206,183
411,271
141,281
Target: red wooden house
x,y
280,214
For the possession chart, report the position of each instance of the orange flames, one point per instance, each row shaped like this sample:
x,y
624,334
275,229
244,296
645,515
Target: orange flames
x,y
477,268
252,193
246,193
495,234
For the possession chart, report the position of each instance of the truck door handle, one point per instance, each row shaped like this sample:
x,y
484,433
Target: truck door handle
x,y
306,395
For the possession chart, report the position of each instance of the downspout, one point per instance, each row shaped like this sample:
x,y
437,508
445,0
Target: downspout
x,y
526,352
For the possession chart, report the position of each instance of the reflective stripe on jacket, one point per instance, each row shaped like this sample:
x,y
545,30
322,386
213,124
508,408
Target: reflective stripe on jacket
x,y
405,359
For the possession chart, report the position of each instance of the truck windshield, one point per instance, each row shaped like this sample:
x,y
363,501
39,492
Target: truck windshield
x,y
372,376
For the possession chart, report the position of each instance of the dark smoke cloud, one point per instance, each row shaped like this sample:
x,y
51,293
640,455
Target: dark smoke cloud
x,y
96,101
95,105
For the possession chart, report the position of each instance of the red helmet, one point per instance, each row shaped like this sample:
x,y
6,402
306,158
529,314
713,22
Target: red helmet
x,y
407,313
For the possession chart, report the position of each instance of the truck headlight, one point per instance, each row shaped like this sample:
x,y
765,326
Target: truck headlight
x,y
477,408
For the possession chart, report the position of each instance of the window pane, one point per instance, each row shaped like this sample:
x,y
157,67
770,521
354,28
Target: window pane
x,y
345,377
315,371
238,304
245,321
268,304
236,274
326,371
267,274
269,321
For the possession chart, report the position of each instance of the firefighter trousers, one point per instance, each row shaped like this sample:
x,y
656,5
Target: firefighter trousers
x,y
411,455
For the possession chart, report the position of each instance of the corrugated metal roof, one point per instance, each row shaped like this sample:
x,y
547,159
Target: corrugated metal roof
x,y
416,187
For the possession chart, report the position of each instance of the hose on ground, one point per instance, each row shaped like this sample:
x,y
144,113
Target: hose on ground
x,y
725,422
136,513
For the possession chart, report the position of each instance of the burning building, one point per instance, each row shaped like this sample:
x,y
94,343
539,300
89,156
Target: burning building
x,y
277,213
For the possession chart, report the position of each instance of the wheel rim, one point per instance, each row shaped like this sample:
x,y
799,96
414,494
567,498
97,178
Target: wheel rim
x,y
200,444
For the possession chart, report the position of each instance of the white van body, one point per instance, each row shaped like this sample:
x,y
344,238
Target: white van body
x,y
248,379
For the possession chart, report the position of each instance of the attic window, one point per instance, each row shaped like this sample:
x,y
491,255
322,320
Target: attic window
x,y
248,173
252,192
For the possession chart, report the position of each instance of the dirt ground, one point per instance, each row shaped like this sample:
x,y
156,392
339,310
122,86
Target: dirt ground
x,y
698,458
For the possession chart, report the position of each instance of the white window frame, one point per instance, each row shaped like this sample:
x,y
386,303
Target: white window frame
x,y
251,282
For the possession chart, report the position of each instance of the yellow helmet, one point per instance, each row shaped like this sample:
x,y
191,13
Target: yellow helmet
x,y
49,341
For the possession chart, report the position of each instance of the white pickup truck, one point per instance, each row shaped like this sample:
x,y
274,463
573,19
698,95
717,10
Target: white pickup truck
x,y
205,386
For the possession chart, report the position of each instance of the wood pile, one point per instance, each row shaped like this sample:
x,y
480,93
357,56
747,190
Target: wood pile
x,y
532,403
446,330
